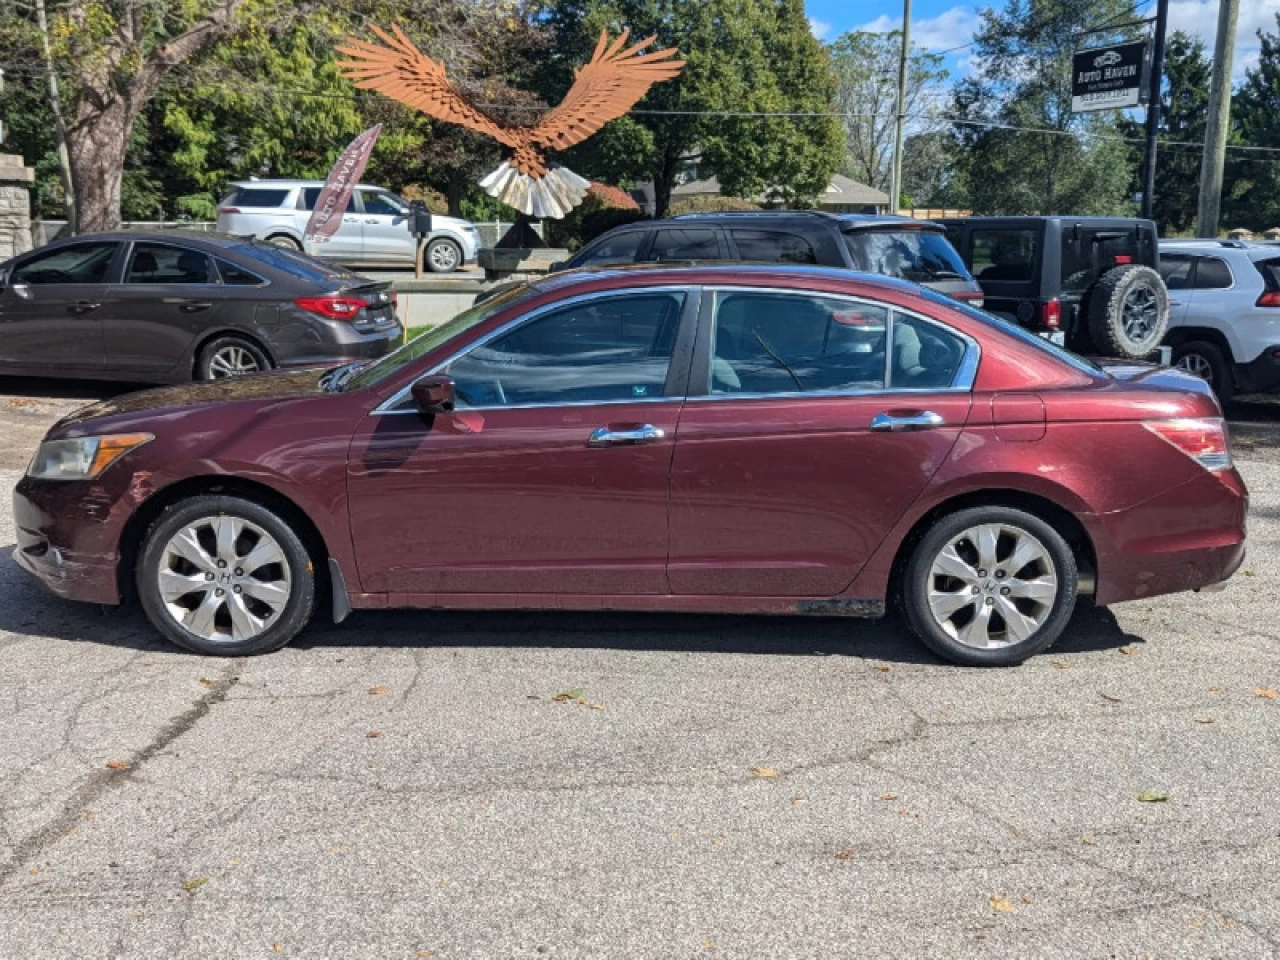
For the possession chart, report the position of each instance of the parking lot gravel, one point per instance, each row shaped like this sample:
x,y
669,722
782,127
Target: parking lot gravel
x,y
414,784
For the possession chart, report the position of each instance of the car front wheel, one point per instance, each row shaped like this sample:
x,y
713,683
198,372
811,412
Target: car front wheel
x,y
443,256
226,576
990,586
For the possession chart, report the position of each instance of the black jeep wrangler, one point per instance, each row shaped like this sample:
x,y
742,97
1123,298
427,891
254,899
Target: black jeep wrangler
x,y
1092,283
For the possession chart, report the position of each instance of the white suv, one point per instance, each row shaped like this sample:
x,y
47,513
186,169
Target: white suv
x,y
1224,312
373,229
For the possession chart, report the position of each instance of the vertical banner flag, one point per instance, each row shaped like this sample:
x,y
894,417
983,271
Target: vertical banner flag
x,y
334,196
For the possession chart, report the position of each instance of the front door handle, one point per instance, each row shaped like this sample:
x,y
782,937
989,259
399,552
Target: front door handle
x,y
899,423
84,306
608,437
372,220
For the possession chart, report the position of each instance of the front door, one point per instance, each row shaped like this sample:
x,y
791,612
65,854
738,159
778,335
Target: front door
x,y
50,308
551,475
384,221
169,294
346,244
820,420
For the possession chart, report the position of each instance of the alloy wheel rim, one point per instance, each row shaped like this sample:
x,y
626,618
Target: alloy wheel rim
x,y
1196,365
992,586
224,579
233,362
1141,312
444,256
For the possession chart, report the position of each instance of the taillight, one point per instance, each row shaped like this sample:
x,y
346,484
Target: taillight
x,y
972,297
1051,313
1204,440
1270,299
228,209
335,308
1123,258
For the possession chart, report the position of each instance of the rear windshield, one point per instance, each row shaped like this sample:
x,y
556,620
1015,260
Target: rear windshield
x,y
255,197
296,264
921,256
1270,270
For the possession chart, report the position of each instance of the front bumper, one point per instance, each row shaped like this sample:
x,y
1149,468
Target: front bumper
x,y
67,534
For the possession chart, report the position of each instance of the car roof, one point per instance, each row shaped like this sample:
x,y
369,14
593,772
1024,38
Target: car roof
x,y
712,273
845,221
205,238
290,184
1253,249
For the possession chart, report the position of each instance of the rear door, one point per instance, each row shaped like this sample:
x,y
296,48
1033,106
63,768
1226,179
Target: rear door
x,y
384,228
676,244
168,294
1178,271
49,308
813,423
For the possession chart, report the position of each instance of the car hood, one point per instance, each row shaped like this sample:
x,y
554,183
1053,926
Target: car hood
x,y
262,387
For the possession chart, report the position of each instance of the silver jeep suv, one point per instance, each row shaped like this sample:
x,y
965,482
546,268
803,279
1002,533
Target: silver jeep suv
x,y
373,229
1224,312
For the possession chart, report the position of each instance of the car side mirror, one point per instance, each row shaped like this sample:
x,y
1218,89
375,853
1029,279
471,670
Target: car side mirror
x,y
433,395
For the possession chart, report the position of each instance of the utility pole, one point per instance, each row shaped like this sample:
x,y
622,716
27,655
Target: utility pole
x,y
1153,107
895,170
60,126
1215,133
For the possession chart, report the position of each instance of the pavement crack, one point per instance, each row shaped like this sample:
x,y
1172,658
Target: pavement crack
x,y
99,781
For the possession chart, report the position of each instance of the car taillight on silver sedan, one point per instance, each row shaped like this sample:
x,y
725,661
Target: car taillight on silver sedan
x,y
1203,440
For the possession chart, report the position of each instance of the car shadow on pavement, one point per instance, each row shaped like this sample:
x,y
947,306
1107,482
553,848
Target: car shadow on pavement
x,y
51,388
26,610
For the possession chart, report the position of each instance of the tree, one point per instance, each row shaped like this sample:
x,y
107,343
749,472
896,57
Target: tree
x,y
1253,179
743,56
866,68
1022,150
929,170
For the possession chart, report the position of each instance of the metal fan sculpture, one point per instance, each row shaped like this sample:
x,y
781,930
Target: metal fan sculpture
x,y
603,90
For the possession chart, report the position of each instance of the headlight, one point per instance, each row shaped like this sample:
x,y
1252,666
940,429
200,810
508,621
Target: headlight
x,y
82,458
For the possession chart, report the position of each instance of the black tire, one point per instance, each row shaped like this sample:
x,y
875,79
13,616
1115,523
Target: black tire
x,y
283,626
284,242
1204,359
442,256
1113,333
919,581
210,364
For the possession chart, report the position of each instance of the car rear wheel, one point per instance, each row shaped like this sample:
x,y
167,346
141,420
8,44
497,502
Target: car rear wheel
x,y
230,357
443,256
990,586
1128,312
225,576
285,242
1205,360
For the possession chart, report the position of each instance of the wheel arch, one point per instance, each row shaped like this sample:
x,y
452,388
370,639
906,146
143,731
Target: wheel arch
x,y
1057,516
1177,336
208,338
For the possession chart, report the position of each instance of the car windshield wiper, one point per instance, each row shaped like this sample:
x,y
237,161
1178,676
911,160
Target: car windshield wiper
x,y
334,380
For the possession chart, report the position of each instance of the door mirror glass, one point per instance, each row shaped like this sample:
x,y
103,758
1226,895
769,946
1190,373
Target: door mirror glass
x,y
433,395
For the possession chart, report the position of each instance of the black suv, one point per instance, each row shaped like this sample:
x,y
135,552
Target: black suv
x,y
914,250
1092,282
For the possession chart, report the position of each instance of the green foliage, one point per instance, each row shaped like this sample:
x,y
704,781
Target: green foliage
x,y
598,213
710,204
1251,185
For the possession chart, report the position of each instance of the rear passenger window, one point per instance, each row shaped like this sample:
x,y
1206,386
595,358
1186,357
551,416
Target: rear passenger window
x,y
1212,274
157,263
796,343
685,244
1176,271
622,248
770,246
257,197
925,356
237,276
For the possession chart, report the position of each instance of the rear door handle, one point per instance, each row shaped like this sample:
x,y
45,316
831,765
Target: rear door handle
x,y
372,221
895,423
84,306
606,437
194,306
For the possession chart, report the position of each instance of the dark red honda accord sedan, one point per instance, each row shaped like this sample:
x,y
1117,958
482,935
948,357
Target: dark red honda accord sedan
x,y
773,440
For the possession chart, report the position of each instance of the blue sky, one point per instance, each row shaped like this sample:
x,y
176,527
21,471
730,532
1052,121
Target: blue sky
x,y
942,24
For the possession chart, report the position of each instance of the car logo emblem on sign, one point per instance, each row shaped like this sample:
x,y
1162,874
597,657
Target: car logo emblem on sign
x,y
1107,59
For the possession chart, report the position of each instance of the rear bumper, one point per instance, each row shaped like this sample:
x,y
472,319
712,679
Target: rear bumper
x,y
1186,539
1261,373
335,341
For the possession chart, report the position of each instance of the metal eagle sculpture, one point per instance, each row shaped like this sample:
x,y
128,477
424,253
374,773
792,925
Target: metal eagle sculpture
x,y
604,89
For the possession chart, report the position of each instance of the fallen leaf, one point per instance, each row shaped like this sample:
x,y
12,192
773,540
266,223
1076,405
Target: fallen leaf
x,y
88,814
195,883
1026,900
1215,689
1107,696
596,706
379,690
205,682
117,764
1059,664
797,799
1087,842
1267,693
1248,573
372,734
426,953
845,854
1153,796
565,695
888,796
1000,905
276,948
33,871
766,772
883,667
708,945
1128,651
1203,719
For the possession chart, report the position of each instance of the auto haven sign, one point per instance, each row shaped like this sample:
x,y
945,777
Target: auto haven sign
x,y
1109,78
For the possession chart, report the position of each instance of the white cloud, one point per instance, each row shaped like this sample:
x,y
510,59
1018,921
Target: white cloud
x,y
949,29
820,28
1200,19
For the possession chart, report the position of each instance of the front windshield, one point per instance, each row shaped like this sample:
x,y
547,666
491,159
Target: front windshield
x,y
432,337
1013,330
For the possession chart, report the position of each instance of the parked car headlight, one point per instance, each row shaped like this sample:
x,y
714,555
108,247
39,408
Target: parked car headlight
x,y
82,458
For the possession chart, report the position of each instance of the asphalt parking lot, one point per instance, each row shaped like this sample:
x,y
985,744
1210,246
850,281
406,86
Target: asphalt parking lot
x,y
411,784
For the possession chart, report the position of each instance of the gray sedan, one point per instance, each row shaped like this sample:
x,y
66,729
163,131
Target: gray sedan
x,y
166,308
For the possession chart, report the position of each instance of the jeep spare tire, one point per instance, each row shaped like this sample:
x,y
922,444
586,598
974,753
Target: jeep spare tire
x,y
1128,312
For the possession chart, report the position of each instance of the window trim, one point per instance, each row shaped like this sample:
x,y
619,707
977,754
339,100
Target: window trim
x,y
962,382
687,322
132,248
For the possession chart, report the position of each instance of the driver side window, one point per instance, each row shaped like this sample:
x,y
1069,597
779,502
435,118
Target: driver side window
x,y
601,350
80,263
